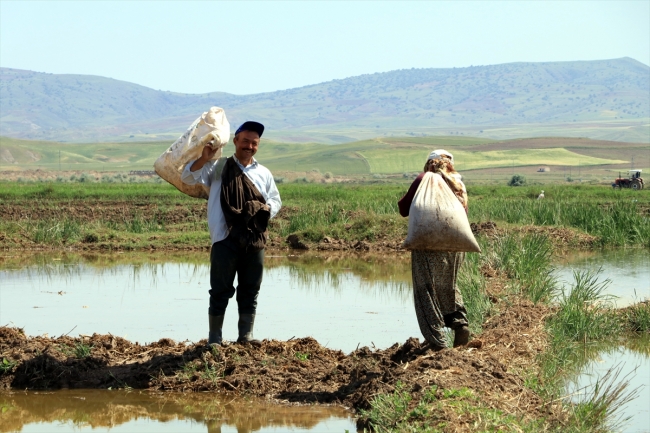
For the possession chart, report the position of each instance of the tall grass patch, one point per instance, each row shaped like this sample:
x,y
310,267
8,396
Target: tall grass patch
x,y
347,212
584,324
51,231
637,317
471,284
585,311
617,220
526,260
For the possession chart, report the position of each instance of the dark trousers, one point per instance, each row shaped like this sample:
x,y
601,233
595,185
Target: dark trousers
x,y
226,261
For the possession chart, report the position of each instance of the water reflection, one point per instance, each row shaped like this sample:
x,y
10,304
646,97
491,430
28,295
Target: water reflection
x,y
73,410
342,301
633,361
628,270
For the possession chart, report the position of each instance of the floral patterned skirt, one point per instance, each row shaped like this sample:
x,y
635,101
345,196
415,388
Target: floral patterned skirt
x,y
438,302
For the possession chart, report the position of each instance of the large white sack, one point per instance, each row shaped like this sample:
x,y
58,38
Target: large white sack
x,y
437,220
212,125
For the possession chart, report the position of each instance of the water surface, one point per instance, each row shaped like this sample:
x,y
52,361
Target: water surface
x,y
122,411
632,362
629,273
627,269
343,301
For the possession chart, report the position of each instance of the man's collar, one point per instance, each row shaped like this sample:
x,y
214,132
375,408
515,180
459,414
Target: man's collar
x,y
242,165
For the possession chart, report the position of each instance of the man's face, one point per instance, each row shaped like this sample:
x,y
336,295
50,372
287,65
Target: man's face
x,y
246,143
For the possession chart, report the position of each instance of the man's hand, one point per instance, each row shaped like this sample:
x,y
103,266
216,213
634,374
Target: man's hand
x,y
208,152
206,155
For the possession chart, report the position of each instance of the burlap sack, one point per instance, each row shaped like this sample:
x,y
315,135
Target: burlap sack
x,y
212,125
437,220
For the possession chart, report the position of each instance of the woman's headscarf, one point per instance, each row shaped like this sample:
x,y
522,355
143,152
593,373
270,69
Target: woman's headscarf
x,y
442,162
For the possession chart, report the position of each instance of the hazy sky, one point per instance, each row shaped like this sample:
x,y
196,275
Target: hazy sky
x,y
248,47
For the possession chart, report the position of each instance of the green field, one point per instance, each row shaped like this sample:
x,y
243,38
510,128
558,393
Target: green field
x,y
380,156
51,155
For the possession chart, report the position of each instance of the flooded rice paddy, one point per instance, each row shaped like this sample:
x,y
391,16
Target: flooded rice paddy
x,y
342,301
627,269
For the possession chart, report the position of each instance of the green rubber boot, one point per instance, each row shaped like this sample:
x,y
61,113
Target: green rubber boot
x,y
245,325
216,323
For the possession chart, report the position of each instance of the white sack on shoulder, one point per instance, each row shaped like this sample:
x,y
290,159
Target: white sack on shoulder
x,y
212,125
437,220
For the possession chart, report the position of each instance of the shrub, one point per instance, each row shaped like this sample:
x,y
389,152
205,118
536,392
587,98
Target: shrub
x,y
517,180
86,178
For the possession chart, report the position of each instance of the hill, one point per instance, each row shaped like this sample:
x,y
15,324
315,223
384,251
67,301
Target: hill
x,y
599,99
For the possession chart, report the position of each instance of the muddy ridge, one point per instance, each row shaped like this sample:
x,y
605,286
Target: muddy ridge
x,y
298,371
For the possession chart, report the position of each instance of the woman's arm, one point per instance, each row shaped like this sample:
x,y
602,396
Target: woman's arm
x,y
404,204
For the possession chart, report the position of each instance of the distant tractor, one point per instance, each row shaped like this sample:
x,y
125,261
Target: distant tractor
x,y
634,180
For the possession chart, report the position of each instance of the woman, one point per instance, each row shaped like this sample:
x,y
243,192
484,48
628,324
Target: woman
x,y
438,302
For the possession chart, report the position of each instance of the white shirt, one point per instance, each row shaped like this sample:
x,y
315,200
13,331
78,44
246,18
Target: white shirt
x,y
256,172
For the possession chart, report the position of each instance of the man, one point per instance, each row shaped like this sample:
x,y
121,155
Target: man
x,y
243,197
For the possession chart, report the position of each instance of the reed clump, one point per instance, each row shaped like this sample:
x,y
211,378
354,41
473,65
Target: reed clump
x,y
526,261
472,285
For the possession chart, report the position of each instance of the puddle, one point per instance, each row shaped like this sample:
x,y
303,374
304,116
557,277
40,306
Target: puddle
x,y
120,411
628,270
343,302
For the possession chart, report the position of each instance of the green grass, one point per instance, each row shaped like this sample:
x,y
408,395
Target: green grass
x,y
104,191
79,350
350,212
526,260
471,284
616,217
585,312
396,412
585,322
409,160
7,365
339,211
638,317
78,156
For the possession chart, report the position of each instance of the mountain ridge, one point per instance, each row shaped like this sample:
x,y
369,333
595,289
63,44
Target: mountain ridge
x,y
594,98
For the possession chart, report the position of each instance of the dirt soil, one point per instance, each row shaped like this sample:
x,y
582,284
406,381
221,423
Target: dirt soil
x,y
299,371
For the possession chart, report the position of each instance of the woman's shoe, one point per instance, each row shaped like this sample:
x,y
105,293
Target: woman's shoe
x,y
461,336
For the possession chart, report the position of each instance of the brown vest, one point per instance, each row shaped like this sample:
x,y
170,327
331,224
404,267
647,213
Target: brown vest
x,y
244,208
